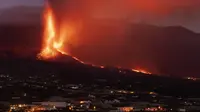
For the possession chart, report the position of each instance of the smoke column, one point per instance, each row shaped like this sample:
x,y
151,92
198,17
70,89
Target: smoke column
x,y
100,31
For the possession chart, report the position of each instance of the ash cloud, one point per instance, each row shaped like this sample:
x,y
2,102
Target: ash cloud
x,y
107,33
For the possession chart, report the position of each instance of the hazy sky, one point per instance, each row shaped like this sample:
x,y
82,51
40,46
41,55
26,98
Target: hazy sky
x,y
10,3
160,12
171,12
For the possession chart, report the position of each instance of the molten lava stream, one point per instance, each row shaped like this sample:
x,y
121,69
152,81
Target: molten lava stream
x,y
53,44
141,71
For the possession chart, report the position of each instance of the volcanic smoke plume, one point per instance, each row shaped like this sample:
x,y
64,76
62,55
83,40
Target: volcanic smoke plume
x,y
102,31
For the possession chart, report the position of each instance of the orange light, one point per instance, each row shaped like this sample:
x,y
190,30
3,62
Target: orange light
x,y
127,109
82,102
102,67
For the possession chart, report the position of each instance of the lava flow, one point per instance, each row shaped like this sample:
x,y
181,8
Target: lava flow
x,y
141,71
53,43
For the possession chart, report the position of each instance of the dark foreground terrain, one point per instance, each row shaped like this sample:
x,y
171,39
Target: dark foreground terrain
x,y
68,70
25,81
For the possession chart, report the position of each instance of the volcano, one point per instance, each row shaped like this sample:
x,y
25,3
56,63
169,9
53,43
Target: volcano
x,y
169,50
54,42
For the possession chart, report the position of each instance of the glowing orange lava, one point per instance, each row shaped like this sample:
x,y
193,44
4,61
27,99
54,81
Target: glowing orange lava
x,y
141,71
54,43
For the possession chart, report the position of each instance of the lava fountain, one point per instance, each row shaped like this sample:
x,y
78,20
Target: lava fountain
x,y
52,44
